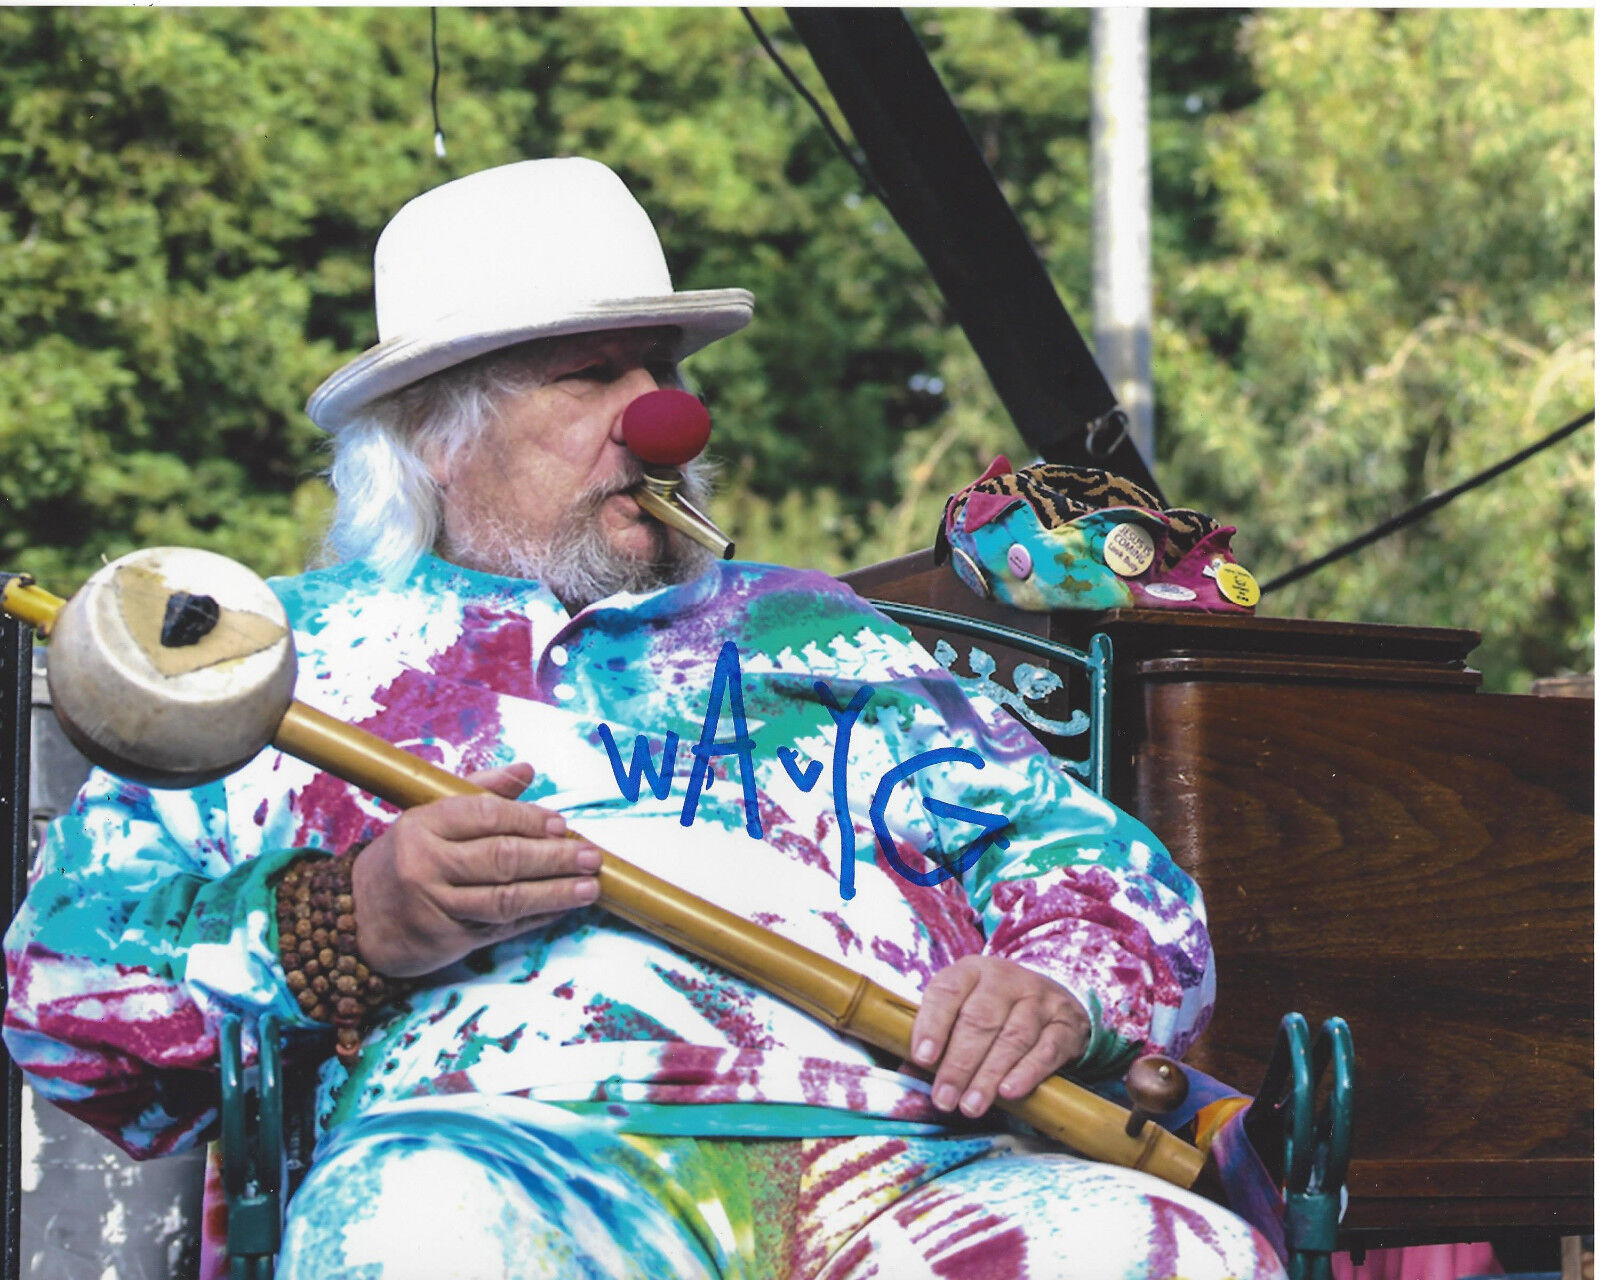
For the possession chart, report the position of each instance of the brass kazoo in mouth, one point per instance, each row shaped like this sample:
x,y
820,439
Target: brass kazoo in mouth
x,y
658,495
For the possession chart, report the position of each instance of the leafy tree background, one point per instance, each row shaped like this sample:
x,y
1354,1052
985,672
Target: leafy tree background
x,y
1373,236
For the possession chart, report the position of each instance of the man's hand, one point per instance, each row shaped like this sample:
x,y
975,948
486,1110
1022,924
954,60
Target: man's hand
x,y
457,874
993,1025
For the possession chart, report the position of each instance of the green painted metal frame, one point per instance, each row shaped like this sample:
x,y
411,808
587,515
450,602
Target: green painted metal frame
x,y
1316,1144
252,1150
1095,663
1316,1141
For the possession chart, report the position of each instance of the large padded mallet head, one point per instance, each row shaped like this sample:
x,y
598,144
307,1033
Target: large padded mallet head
x,y
171,666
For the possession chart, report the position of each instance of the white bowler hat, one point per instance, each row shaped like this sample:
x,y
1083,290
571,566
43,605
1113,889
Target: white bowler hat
x,y
535,249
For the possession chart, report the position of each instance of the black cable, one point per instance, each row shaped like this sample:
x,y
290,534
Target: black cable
x,y
1427,506
438,129
833,133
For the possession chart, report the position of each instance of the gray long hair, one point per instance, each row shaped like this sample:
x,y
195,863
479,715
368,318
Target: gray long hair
x,y
388,508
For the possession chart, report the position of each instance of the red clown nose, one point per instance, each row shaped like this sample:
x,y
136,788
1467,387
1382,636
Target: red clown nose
x,y
666,428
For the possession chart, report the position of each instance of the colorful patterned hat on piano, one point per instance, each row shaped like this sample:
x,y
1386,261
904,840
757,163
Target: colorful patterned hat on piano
x,y
1053,537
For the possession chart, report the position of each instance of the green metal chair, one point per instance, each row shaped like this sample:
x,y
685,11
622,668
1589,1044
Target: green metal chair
x,y
1315,1143
1032,684
1316,1138
253,1163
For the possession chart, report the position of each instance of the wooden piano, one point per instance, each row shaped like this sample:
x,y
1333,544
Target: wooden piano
x,y
1376,838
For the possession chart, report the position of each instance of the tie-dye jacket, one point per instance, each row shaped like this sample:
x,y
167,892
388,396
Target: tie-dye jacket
x,y
149,918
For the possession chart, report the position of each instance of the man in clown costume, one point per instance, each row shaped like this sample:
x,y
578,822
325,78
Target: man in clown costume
x,y
525,1085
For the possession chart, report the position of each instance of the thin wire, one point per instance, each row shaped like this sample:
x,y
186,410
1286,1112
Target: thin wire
x,y
1427,506
438,129
843,147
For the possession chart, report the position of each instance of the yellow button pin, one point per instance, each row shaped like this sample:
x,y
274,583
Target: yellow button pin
x,y
1237,584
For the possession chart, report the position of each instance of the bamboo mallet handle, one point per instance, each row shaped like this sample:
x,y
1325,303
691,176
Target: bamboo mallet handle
x,y
845,1000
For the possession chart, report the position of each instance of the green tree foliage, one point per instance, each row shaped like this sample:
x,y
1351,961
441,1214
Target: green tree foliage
x,y
1021,79
1403,294
186,210
188,202
1373,239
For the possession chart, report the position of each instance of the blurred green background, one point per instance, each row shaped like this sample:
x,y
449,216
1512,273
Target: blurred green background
x,y
1373,243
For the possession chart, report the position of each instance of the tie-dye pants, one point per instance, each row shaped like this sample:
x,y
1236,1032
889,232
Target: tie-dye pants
x,y
460,1189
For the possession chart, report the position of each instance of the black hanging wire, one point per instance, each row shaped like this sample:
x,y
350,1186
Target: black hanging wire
x,y
1427,506
438,129
834,136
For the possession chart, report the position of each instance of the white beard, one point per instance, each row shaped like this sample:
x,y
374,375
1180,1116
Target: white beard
x,y
579,566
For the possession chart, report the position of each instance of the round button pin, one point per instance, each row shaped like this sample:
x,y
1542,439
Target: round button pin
x,y
1168,591
1129,550
1236,583
1019,561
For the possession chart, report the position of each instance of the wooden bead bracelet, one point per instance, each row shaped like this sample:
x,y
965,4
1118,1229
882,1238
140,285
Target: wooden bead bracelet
x,y
321,958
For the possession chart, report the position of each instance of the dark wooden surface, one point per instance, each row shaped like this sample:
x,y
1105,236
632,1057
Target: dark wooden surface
x,y
1422,865
1378,840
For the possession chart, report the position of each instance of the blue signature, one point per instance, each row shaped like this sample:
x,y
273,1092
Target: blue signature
x,y
727,690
